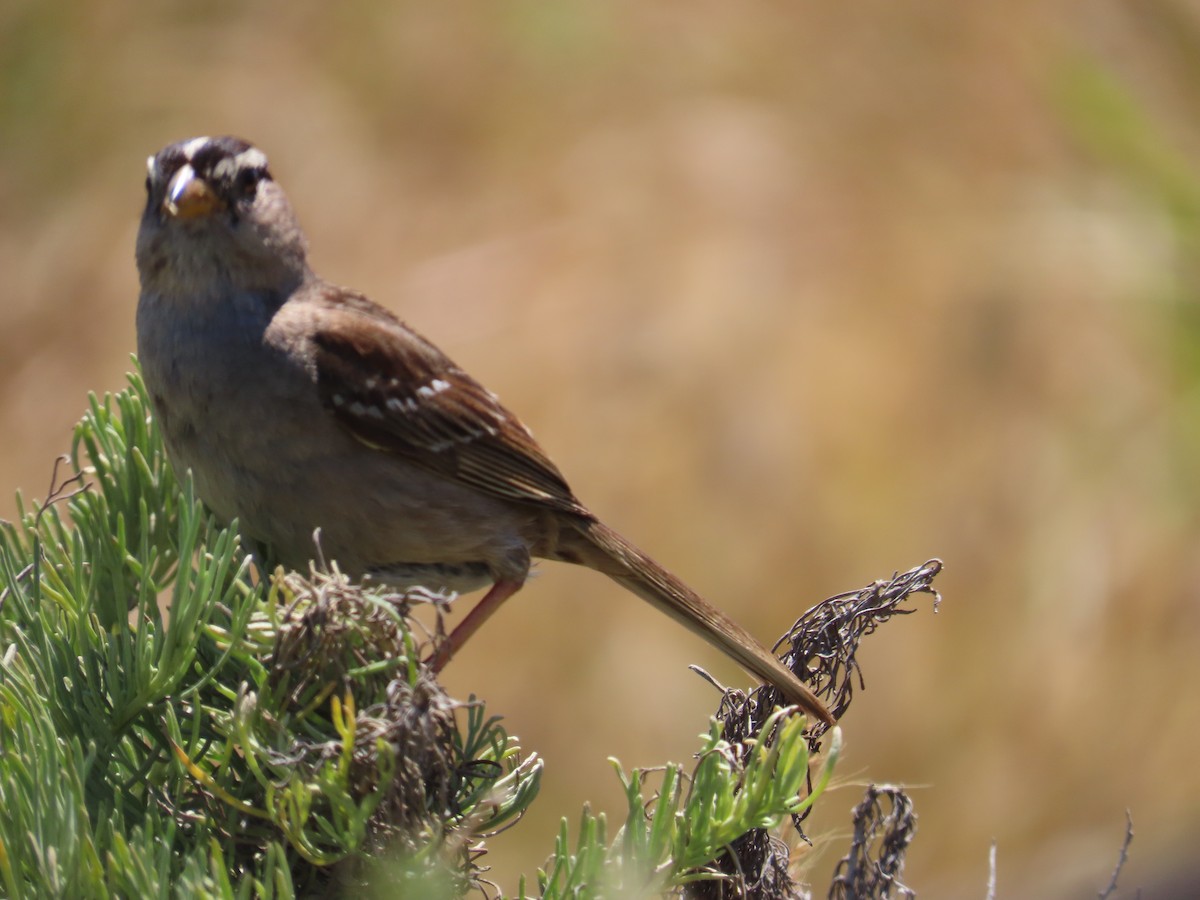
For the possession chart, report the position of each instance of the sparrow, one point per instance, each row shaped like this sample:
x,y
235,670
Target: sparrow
x,y
299,405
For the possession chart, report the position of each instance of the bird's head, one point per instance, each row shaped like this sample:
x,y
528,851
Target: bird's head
x,y
216,220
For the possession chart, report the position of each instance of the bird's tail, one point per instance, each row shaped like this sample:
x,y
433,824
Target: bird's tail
x,y
623,562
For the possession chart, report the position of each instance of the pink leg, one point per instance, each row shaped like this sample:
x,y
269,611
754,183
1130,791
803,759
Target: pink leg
x,y
491,601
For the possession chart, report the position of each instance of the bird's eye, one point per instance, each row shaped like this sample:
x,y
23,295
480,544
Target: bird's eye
x,y
247,182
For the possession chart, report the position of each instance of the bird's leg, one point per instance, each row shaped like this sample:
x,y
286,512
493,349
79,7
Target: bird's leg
x,y
500,591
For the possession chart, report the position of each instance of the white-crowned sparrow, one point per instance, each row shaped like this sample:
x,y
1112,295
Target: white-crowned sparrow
x,y
299,405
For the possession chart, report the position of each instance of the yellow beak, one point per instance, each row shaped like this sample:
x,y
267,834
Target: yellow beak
x,y
189,196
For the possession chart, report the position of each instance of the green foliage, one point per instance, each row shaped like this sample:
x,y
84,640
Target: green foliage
x,y
170,727
669,841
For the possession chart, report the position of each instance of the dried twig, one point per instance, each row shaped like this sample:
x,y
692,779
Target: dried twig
x,y
57,493
1122,858
873,865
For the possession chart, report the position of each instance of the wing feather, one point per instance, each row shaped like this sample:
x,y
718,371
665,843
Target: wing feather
x,y
394,390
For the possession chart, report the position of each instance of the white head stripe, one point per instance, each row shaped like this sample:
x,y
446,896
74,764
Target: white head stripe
x,y
193,145
252,158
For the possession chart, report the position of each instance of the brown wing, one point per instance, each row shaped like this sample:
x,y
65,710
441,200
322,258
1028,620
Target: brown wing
x,y
396,391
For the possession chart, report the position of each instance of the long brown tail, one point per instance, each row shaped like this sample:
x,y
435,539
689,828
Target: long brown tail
x,y
634,570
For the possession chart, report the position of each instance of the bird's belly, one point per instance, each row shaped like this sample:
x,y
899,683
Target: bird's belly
x,y
382,517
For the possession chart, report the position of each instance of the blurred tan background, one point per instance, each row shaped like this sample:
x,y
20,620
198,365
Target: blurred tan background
x,y
796,294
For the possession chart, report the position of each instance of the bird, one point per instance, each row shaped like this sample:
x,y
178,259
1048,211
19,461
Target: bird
x,y
300,405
